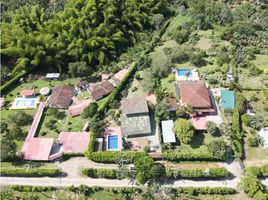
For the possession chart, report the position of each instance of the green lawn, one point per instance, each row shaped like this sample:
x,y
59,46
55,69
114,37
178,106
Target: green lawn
x,y
168,84
198,143
68,124
258,105
83,95
255,153
37,85
105,195
252,82
136,89
261,61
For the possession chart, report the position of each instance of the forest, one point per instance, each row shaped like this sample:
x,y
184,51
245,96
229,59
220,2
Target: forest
x,y
92,31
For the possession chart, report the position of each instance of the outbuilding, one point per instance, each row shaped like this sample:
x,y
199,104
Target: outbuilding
x,y
167,132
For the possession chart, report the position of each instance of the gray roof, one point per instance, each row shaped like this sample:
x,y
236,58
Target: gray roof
x,y
168,134
135,125
134,106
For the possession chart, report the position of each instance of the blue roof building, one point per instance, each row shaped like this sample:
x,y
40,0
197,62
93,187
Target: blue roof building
x,y
227,100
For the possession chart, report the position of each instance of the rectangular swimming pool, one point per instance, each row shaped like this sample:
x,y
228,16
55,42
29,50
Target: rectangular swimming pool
x,y
25,103
112,142
184,72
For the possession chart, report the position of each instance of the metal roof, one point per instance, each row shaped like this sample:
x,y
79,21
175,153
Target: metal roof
x,y
167,132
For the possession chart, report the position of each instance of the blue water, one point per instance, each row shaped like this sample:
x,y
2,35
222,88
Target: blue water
x,y
113,142
183,72
28,103
227,99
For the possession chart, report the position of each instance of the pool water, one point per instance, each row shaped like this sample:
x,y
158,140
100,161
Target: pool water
x,y
25,103
112,142
184,72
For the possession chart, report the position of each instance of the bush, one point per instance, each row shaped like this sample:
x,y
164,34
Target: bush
x,y
101,173
224,68
114,156
198,156
90,110
197,173
236,137
31,172
246,119
218,148
253,140
261,171
29,188
206,190
20,118
212,81
184,130
212,128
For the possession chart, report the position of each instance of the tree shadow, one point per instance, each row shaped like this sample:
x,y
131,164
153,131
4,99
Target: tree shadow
x,y
198,140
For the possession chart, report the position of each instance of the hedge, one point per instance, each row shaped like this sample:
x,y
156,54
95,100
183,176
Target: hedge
x,y
29,188
31,172
114,156
236,137
12,81
205,190
261,171
102,173
197,173
199,156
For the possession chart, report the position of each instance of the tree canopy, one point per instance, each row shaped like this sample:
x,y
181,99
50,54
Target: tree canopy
x,y
184,130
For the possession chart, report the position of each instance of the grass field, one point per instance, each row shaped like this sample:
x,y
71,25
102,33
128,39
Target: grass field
x,y
136,89
255,153
168,84
83,95
261,61
198,143
68,124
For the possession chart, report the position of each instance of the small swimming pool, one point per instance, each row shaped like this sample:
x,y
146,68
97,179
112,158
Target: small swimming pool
x,y
112,142
184,72
25,103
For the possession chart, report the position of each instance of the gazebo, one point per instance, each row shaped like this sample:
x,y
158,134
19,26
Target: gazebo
x,y
44,91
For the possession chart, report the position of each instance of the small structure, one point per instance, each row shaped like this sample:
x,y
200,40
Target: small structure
x,y
38,149
27,93
172,104
135,118
105,77
82,85
61,97
44,91
167,132
263,133
2,102
98,144
74,142
99,90
227,100
53,76
199,123
116,78
112,138
194,94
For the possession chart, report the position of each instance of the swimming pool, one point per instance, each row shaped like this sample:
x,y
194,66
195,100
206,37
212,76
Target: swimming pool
x,y
25,103
184,72
112,142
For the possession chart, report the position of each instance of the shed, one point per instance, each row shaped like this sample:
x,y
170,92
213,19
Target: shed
x,y
98,144
264,134
167,132
2,102
27,93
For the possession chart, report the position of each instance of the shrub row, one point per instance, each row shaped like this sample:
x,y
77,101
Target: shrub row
x,y
12,81
32,172
29,188
205,190
91,143
114,156
236,137
197,173
102,173
261,171
200,156
67,155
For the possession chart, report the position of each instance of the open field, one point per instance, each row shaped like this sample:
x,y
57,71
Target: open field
x,y
261,61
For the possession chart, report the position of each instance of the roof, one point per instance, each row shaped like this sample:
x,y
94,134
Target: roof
x,y
135,125
121,74
26,93
53,75
38,148
168,134
78,109
44,90
101,89
61,96
199,123
172,103
194,94
134,106
264,134
105,76
76,142
227,99
82,84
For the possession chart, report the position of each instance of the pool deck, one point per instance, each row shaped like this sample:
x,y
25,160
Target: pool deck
x,y
193,77
115,130
16,100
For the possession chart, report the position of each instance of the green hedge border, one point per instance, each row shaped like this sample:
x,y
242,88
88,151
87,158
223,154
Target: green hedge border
x,y
31,172
11,82
199,156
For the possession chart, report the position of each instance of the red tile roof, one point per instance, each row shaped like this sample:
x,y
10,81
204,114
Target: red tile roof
x,y
61,96
172,103
26,93
194,94
76,142
134,106
101,89
38,148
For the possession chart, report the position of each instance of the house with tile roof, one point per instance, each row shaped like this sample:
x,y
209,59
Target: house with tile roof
x,y
61,97
196,95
